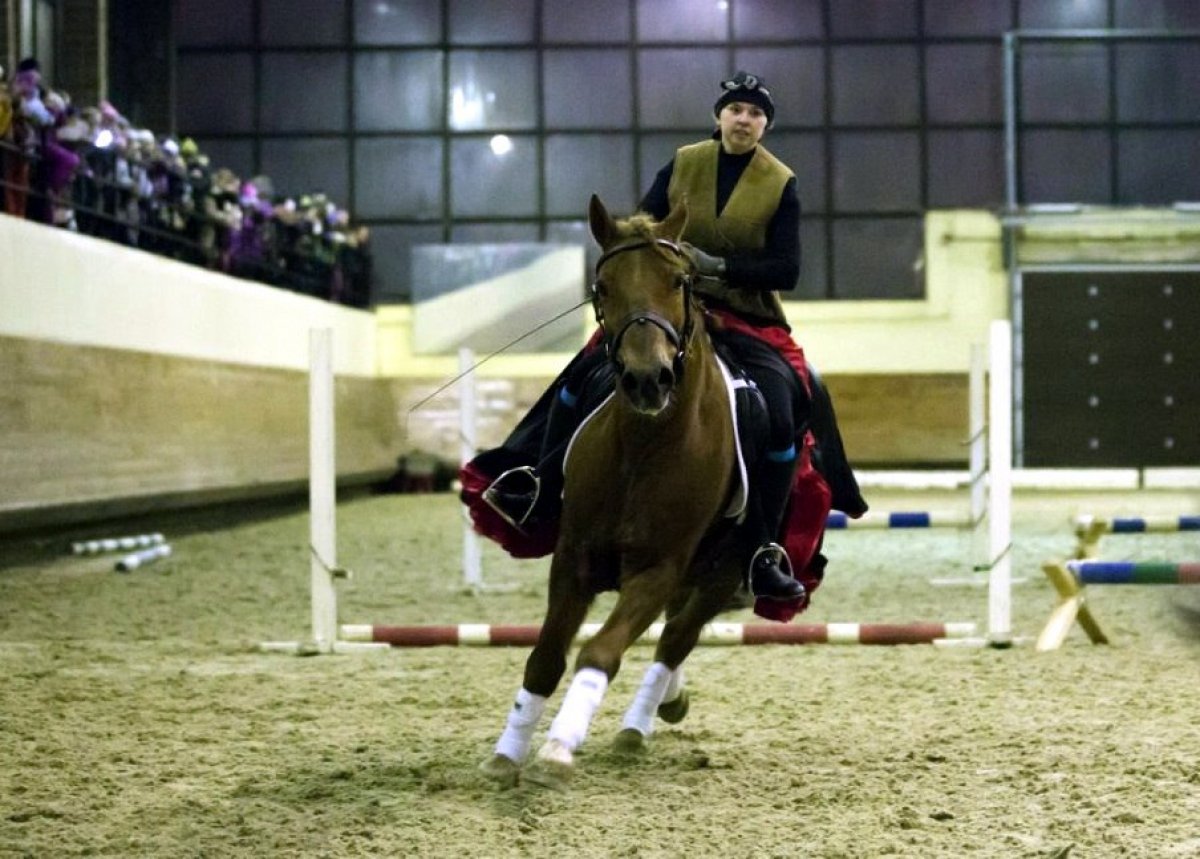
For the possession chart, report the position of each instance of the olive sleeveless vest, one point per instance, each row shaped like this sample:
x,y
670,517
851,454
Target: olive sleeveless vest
x,y
742,225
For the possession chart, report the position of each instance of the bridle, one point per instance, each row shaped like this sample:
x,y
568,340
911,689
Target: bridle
x,y
679,339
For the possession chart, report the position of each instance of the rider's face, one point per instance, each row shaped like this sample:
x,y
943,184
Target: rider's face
x,y
742,126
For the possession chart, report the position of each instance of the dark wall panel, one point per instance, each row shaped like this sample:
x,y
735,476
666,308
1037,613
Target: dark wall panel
x,y
1110,369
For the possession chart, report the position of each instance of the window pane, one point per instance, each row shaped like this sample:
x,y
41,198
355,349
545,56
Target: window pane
x,y
878,258
777,19
805,154
398,91
391,259
492,89
656,150
572,21
796,78
876,171
814,269
1157,83
300,167
967,17
964,83
477,22
302,22
1055,14
1064,83
1155,14
875,84
872,18
573,99
1159,167
576,233
488,185
397,22
1065,167
493,233
235,155
304,92
681,21
213,22
399,178
677,88
203,105
966,168
578,166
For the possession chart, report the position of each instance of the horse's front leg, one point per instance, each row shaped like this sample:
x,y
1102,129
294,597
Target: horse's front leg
x,y
662,691
643,597
566,609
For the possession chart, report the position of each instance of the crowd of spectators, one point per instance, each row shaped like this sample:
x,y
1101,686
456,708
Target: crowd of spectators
x,y
90,170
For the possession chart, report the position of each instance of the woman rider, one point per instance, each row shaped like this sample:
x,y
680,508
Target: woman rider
x,y
743,236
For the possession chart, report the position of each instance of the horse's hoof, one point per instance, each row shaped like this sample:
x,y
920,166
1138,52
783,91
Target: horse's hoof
x,y
674,711
630,741
552,767
501,770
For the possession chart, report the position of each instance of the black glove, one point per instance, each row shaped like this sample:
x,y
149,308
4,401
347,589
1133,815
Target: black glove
x,y
706,264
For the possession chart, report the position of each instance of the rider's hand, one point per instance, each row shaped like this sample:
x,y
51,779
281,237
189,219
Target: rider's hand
x,y
706,265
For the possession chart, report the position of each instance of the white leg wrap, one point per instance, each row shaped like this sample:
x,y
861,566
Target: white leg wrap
x,y
640,715
583,698
522,722
674,685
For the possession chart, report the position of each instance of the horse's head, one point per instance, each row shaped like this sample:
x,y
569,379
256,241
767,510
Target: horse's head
x,y
643,302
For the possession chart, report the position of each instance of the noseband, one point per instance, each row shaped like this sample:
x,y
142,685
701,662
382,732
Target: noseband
x,y
679,339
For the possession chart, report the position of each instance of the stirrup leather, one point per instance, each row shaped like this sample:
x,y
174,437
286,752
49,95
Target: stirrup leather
x,y
785,564
491,499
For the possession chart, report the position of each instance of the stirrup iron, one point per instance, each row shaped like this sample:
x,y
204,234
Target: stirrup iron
x,y
490,495
785,564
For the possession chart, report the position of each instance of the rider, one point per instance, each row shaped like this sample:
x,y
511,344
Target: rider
x,y
743,236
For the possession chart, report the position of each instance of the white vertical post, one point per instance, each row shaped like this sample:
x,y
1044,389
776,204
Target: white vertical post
x,y
472,553
322,491
1000,484
977,454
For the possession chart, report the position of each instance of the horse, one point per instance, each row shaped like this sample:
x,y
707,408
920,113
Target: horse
x,y
649,478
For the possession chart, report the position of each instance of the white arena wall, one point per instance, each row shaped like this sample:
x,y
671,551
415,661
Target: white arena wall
x,y
129,382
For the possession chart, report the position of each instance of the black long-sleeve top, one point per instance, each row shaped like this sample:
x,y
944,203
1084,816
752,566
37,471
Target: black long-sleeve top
x,y
777,265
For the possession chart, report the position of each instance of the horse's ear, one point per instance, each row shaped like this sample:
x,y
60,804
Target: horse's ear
x,y
673,225
604,228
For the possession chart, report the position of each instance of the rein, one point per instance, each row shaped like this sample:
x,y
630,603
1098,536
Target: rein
x,y
679,339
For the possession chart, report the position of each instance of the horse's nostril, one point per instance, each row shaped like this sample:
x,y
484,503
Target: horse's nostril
x,y
666,379
629,383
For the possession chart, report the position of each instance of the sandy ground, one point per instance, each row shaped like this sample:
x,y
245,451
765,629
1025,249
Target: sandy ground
x,y
138,719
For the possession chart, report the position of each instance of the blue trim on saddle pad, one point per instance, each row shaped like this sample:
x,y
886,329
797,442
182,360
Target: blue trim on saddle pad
x,y
782,455
567,398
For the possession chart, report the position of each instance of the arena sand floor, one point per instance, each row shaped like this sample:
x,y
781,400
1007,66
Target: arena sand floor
x,y
137,717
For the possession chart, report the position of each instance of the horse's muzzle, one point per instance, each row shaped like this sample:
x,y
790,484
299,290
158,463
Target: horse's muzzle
x,y
648,391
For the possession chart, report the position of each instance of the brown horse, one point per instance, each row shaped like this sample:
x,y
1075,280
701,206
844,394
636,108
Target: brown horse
x,y
648,480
